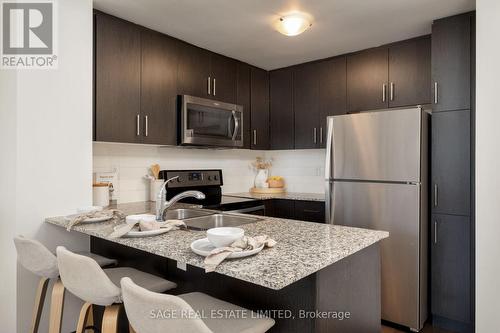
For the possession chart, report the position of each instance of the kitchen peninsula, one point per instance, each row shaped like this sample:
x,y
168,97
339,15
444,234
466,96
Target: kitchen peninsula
x,y
315,270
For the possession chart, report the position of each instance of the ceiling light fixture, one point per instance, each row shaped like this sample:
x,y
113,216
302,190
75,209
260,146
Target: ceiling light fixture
x,y
293,24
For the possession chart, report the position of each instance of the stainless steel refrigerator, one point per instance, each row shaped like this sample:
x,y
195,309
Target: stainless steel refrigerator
x,y
377,178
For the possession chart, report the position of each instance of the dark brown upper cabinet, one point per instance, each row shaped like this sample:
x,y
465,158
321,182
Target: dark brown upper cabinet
x,y
158,88
243,98
367,76
223,72
451,63
410,72
306,105
332,92
193,73
389,76
117,80
206,74
259,100
281,108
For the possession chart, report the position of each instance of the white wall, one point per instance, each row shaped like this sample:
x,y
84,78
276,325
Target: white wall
x,y
303,170
47,134
8,101
487,166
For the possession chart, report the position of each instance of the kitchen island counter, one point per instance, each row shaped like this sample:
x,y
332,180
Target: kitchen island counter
x,y
303,248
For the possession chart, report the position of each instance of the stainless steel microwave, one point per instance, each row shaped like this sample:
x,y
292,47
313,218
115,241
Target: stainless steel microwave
x,y
204,122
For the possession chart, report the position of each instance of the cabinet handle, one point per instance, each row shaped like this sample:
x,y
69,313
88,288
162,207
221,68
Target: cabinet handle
x,y
321,134
384,88
214,88
315,139
392,91
138,125
435,195
209,85
436,100
254,137
147,125
435,232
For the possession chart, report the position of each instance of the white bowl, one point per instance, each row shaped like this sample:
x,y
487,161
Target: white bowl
x,y
224,236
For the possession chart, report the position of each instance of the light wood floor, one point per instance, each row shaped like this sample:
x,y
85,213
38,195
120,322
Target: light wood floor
x,y
427,329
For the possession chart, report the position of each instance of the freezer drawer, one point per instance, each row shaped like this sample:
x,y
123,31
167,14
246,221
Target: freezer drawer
x,y
382,146
394,208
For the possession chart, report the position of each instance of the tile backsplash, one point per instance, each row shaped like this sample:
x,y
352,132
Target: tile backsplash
x,y
303,169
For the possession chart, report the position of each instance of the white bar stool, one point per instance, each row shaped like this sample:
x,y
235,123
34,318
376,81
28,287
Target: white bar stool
x,y
36,258
187,313
87,280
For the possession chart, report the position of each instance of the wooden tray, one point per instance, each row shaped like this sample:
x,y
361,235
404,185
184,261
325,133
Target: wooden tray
x,y
271,190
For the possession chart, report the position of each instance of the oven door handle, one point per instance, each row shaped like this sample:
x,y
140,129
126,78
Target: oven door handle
x,y
236,125
247,210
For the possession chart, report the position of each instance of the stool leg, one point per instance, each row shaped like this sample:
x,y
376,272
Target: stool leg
x,y
90,318
110,319
56,307
82,320
39,300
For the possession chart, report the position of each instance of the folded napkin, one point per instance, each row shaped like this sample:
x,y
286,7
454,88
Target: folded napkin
x,y
246,243
113,214
147,226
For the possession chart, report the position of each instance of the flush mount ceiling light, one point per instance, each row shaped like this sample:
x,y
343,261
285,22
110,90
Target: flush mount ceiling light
x,y
293,24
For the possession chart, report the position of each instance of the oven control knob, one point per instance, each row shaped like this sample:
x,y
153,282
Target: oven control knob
x,y
215,177
179,180
209,178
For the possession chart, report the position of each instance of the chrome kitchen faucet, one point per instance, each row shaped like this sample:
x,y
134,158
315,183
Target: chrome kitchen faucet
x,y
162,204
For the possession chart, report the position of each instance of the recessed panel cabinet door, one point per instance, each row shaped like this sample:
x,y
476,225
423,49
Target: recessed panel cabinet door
x,y
223,74
306,105
410,73
451,63
117,80
259,99
367,76
159,88
451,267
281,108
193,74
451,158
243,98
332,92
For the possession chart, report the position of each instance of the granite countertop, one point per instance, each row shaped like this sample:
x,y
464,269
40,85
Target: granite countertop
x,y
303,248
286,195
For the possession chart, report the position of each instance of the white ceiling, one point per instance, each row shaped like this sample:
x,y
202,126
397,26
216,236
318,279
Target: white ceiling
x,y
243,29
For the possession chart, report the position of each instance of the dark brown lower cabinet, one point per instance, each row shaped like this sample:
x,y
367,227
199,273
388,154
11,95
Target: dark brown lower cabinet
x,y
313,211
451,272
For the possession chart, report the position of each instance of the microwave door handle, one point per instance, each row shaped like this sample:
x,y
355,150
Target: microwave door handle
x,y
236,125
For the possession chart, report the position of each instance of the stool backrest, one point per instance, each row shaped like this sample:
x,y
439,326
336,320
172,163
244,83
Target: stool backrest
x,y
35,257
83,277
150,312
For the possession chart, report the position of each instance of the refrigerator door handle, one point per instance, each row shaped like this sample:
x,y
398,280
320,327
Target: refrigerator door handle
x,y
329,202
329,165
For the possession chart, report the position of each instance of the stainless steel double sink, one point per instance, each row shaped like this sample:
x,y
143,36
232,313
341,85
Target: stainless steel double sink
x,y
204,219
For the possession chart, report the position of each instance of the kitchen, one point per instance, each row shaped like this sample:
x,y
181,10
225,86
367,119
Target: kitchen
x,y
140,70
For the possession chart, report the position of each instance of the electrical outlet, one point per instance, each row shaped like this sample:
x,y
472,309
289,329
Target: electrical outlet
x,y
182,266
